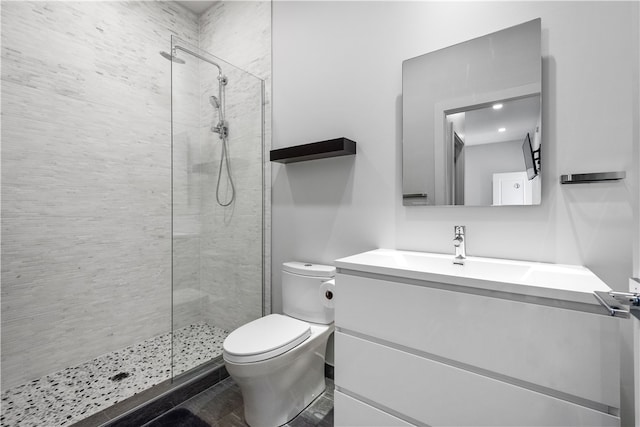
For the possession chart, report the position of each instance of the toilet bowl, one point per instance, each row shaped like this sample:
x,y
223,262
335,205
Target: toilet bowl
x,y
278,360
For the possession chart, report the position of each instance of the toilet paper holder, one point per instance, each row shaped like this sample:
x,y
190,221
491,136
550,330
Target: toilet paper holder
x,y
327,293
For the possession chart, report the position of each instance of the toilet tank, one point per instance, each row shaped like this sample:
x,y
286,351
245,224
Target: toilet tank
x,y
301,296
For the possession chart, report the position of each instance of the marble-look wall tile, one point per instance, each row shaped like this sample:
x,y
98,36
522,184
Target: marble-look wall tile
x,y
239,33
187,297
86,179
234,250
186,181
87,173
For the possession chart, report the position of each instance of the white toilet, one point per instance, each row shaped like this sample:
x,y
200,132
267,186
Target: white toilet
x,y
278,360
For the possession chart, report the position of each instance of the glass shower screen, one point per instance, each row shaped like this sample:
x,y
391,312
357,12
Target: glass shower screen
x,y
217,202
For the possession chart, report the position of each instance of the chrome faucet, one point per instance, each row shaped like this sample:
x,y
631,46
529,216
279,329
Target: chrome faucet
x,y
458,242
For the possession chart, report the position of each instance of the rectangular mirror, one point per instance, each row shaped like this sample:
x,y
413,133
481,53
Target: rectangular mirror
x,y
472,121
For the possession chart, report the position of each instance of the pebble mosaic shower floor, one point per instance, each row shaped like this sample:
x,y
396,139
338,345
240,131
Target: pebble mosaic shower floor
x,y
70,395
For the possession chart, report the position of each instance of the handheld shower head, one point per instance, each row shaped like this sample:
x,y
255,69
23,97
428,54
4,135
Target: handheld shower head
x,y
220,127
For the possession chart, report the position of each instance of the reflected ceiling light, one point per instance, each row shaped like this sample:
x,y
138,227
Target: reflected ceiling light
x,y
502,129
497,106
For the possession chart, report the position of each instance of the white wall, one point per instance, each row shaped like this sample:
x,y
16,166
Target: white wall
x,y
481,162
337,72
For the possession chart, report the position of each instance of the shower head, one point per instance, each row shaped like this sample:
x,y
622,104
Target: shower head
x,y
172,58
214,101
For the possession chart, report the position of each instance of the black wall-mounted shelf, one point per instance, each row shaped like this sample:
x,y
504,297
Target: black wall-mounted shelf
x,y
315,150
586,178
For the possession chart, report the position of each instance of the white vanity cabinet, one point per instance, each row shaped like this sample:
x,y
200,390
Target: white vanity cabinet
x,y
411,350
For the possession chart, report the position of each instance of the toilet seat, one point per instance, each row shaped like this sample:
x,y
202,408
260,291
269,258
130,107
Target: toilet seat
x,y
265,338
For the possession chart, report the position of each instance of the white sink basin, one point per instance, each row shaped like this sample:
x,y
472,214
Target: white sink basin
x,y
564,282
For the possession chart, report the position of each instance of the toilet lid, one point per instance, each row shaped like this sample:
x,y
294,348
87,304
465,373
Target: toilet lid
x,y
309,269
265,338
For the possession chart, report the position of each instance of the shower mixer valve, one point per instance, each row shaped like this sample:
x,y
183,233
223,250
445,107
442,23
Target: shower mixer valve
x,y
222,128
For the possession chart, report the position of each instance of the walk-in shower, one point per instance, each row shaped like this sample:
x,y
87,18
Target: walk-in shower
x,y
120,269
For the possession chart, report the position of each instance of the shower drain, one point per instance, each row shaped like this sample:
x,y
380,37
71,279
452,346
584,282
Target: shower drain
x,y
120,376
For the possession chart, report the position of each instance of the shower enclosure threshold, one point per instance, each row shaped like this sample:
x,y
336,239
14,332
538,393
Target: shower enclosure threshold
x,y
73,394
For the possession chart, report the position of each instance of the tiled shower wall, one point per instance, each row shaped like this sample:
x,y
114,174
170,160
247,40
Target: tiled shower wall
x,y
231,268
218,250
86,178
187,203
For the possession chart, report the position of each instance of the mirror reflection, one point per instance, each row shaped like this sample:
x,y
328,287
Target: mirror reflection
x,y
472,120
494,153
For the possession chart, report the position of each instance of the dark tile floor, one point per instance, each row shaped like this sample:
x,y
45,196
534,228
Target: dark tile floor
x,y
221,406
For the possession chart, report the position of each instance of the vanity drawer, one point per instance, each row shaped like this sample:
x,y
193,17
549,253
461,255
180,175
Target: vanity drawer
x,y
352,412
437,394
571,352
